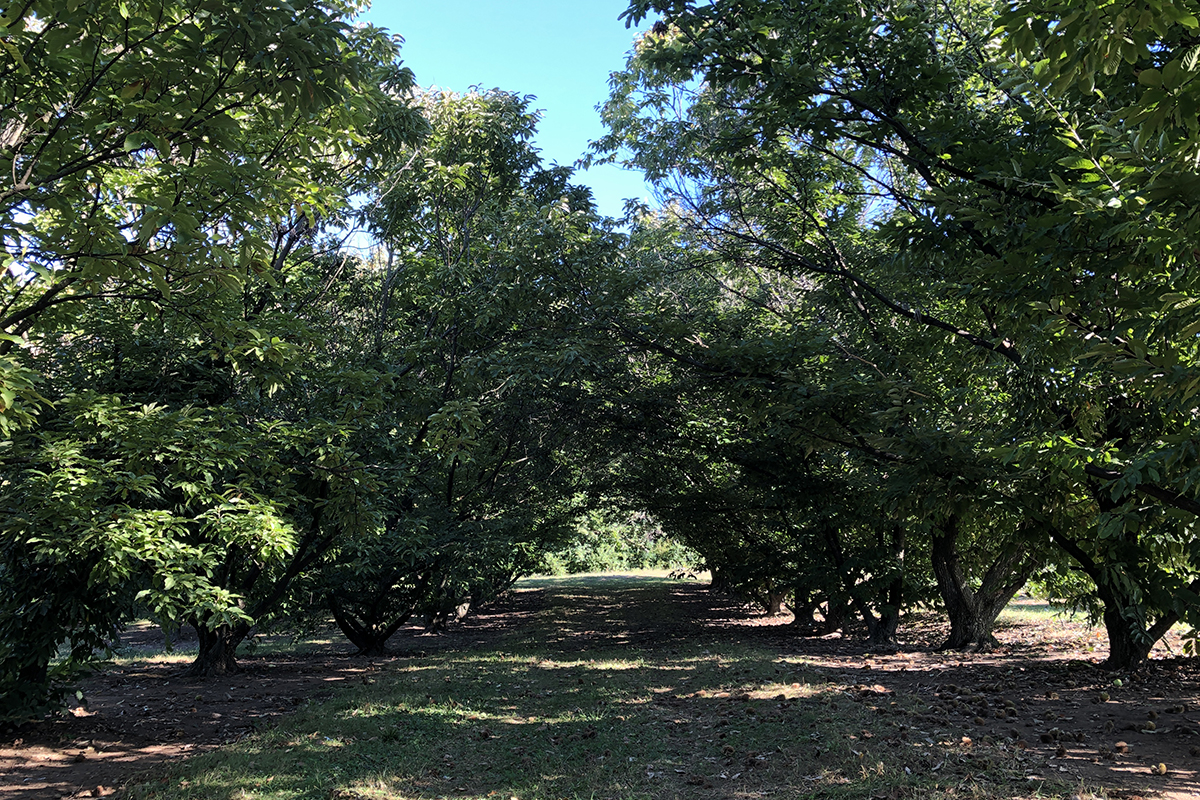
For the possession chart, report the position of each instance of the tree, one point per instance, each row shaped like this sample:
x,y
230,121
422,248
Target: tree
x,y
171,162
476,307
725,418
149,142
1025,284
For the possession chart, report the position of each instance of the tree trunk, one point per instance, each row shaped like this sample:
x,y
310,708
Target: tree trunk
x,y
358,634
805,619
775,603
218,646
719,582
370,639
218,650
839,602
973,613
883,634
1129,638
437,620
835,612
1125,651
881,629
773,599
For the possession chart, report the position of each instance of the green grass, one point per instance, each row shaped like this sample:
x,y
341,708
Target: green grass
x,y
587,699
1035,610
616,581
610,580
322,641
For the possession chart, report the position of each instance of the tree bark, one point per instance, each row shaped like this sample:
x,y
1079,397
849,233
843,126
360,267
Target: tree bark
x,y
719,582
883,634
371,640
805,619
835,612
1130,639
838,604
881,629
218,650
218,646
772,598
883,625
973,613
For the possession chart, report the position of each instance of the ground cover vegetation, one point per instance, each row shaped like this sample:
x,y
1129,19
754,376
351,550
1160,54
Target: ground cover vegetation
x,y
627,685
604,689
286,339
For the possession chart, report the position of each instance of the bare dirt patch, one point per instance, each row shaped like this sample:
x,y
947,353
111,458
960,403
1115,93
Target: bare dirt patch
x,y
137,716
1040,699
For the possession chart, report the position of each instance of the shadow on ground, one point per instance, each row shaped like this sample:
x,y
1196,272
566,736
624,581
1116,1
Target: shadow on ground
x,y
1037,702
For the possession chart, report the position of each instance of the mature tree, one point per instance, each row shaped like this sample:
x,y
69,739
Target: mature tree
x,y
728,418
477,307
169,164
1018,267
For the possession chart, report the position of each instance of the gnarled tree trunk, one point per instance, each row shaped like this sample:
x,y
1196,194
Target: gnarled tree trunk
x,y
371,640
973,612
218,650
881,627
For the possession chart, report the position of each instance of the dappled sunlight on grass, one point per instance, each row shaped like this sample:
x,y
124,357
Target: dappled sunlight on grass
x,y
608,581
565,708
144,643
1025,609
175,657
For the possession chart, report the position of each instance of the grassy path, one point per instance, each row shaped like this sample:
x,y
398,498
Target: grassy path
x,y
594,688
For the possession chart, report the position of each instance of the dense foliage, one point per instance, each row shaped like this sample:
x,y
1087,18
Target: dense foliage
x,y
609,540
213,402
283,337
966,241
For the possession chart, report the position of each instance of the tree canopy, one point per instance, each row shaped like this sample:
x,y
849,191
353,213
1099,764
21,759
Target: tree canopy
x,y
283,337
972,205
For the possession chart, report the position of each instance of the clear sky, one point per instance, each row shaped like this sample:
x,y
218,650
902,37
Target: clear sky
x,y
561,51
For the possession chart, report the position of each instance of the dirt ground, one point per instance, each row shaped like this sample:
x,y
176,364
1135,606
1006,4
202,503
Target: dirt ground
x,y
1040,697
140,716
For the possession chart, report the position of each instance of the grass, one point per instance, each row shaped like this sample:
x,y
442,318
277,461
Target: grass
x,y
587,699
617,581
185,651
1039,611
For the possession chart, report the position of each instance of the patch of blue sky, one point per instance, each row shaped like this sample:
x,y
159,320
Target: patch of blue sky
x,y
560,51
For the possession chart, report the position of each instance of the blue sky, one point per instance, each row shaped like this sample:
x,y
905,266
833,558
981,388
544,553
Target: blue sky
x,y
561,51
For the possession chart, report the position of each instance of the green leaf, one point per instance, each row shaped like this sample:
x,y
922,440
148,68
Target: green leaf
x,y
134,141
1075,162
